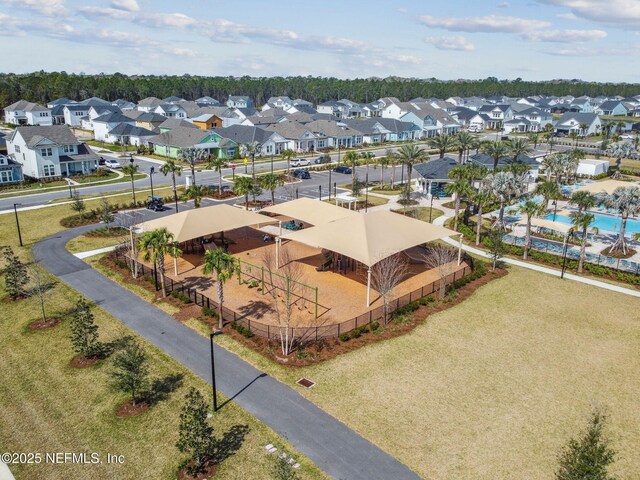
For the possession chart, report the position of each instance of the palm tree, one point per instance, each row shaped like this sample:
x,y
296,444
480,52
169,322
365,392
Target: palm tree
x,y
288,155
367,158
243,186
443,143
583,129
502,185
551,140
222,265
175,252
393,163
531,209
483,199
582,221
195,193
410,154
155,245
460,188
191,156
131,169
549,190
251,150
351,158
171,167
519,147
533,138
583,200
217,164
496,150
574,136
465,141
271,181
626,200
619,151
384,163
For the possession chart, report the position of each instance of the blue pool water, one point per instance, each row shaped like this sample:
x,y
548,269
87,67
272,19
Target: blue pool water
x,y
609,223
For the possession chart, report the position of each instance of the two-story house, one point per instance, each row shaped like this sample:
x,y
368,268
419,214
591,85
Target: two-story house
x,y
10,171
104,124
73,114
27,113
239,101
51,151
498,115
582,123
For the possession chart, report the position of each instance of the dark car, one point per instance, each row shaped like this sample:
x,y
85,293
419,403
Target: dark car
x,y
101,161
343,169
155,203
301,174
322,159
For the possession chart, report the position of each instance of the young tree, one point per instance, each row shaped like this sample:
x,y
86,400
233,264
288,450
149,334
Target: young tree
x,y
105,215
582,221
192,156
443,259
443,143
351,158
271,181
217,164
16,277
131,169
84,332
155,245
195,193
77,204
496,245
195,433
171,167
386,274
130,374
519,147
531,209
243,186
282,469
222,265
587,457
464,141
496,150
40,288
288,155
461,189
483,199
393,163
411,154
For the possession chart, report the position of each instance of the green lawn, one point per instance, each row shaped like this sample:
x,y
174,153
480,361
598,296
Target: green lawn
x,y
422,213
111,147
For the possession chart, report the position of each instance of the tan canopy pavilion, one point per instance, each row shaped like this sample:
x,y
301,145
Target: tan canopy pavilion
x,y
548,224
371,237
311,211
606,186
201,222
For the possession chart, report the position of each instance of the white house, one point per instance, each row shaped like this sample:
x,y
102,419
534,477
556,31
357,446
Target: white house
x,y
10,171
50,151
73,114
590,167
27,113
582,123
170,110
103,124
239,101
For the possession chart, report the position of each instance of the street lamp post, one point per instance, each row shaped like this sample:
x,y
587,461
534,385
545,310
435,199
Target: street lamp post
x,y
329,183
152,170
366,192
213,370
15,210
430,207
564,254
320,192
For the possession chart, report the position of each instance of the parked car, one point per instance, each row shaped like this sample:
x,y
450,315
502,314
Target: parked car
x,y
322,159
343,169
301,174
155,203
300,162
111,163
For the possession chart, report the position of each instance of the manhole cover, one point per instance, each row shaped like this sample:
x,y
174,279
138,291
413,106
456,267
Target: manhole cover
x,y
305,382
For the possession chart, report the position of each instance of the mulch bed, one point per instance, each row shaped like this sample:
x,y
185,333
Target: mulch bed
x,y
43,325
106,232
128,409
618,254
80,361
225,194
209,471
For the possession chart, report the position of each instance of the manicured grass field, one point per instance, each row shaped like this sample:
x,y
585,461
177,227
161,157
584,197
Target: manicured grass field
x,y
422,213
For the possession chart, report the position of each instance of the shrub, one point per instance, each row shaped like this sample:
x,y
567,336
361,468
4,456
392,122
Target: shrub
x,y
374,326
209,312
400,319
344,337
242,330
181,296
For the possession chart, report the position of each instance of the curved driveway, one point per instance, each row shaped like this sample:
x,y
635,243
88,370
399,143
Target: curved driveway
x,y
332,446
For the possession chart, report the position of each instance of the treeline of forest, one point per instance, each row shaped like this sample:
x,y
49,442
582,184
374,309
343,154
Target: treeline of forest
x,y
42,87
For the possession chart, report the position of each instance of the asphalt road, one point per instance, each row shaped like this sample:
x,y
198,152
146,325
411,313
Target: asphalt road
x,y
332,446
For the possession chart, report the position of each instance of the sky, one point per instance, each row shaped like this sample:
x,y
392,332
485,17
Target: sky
x,y
594,40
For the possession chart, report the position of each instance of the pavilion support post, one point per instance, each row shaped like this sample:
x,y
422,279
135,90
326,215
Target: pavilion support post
x,y
280,227
277,253
175,266
460,250
369,286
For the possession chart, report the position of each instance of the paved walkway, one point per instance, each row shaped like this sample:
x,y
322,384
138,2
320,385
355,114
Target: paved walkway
x,y
332,446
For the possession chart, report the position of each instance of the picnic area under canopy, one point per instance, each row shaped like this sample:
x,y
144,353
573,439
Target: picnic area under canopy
x,y
311,211
201,222
548,224
371,237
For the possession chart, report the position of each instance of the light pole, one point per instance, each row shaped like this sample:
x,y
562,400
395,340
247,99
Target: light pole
x,y
15,210
152,170
213,370
329,183
430,206
366,192
564,254
320,192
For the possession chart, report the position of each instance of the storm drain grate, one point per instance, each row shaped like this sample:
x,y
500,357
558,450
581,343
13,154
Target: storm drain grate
x,y
305,382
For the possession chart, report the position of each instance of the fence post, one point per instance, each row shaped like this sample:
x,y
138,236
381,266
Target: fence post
x,y
316,303
239,272
263,279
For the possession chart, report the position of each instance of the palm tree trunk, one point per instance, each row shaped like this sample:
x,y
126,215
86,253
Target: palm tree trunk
x,y
220,300
175,192
273,197
161,271
393,176
460,153
220,183
583,248
193,173
527,238
456,212
501,215
621,242
133,191
479,225
246,201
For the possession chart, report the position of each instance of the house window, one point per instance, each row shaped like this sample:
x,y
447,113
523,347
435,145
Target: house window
x,y
46,152
67,148
17,148
49,170
44,114
5,176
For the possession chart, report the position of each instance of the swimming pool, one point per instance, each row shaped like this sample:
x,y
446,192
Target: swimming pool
x,y
608,223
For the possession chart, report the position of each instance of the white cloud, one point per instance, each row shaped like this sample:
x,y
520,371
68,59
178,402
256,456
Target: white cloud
x,y
182,52
567,16
48,8
616,13
456,42
148,19
486,24
503,5
128,5
565,36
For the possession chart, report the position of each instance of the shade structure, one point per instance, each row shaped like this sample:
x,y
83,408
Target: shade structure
x,y
549,224
371,237
311,211
606,186
200,222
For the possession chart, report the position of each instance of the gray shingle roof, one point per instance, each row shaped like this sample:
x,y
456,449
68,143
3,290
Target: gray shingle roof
x,y
23,105
58,134
244,134
182,137
124,129
436,169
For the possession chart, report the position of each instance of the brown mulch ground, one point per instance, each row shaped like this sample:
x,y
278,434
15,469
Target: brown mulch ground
x,y
43,325
618,254
80,361
225,194
209,471
127,409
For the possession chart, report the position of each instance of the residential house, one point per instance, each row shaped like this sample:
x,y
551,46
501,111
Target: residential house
x,y
581,105
27,113
271,143
173,99
104,124
170,143
259,121
301,108
10,171
147,120
206,100
299,138
171,123
431,121
612,107
207,121
278,102
434,175
57,114
73,114
124,104
128,134
379,130
582,123
528,120
485,160
97,111
50,151
94,102
239,101
60,101
333,134
149,104
170,110
498,114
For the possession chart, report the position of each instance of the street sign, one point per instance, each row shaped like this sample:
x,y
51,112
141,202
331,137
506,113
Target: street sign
x,y
233,167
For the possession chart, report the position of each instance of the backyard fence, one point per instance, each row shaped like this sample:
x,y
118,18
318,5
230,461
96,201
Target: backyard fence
x,y
302,334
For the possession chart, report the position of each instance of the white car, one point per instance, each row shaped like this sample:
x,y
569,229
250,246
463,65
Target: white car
x,y
111,163
300,162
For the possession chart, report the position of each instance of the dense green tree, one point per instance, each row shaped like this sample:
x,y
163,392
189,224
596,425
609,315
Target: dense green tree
x,y
84,332
130,372
171,167
195,435
16,277
222,265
